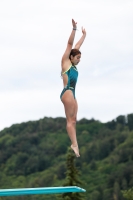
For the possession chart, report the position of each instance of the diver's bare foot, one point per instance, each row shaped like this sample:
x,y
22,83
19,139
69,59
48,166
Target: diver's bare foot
x,y
76,150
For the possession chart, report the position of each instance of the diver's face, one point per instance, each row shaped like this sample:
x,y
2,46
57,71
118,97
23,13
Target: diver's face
x,y
75,59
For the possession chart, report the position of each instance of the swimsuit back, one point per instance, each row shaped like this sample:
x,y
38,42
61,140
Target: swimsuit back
x,y
72,74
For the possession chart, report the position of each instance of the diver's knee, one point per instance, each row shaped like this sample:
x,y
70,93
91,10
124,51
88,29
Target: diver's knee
x,y
74,121
71,122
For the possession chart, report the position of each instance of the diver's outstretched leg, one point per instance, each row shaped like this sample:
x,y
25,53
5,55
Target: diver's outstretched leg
x,y
70,106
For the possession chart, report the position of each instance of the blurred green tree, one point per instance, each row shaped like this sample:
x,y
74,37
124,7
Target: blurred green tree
x,y
72,179
128,194
130,121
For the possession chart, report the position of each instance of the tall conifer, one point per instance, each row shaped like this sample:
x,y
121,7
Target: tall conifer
x,y
72,178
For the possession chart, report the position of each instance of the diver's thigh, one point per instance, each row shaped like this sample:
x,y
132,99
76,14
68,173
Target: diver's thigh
x,y
69,104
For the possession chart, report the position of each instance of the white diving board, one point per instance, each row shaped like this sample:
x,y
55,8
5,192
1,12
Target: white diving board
x,y
41,190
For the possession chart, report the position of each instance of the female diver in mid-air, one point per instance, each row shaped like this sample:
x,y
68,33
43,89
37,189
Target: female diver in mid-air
x,y
69,73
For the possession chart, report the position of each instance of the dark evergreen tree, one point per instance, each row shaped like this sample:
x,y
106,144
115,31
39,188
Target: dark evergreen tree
x,y
72,179
130,121
121,119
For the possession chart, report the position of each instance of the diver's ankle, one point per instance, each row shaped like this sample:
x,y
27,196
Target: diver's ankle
x,y
74,145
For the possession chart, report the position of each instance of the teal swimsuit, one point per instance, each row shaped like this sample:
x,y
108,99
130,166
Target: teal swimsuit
x,y
72,74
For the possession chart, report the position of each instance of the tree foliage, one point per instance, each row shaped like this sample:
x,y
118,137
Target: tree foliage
x,y
128,194
72,178
33,154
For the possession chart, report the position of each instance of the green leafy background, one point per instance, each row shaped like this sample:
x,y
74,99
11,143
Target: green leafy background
x,y
33,154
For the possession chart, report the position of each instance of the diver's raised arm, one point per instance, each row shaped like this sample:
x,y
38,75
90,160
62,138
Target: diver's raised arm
x,y
70,42
80,42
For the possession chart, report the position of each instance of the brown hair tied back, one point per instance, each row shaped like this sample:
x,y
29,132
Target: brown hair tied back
x,y
74,52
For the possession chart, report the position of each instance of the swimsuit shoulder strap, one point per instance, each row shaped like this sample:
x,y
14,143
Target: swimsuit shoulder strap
x,y
66,70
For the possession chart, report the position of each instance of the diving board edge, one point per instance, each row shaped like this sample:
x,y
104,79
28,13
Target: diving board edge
x,y
41,190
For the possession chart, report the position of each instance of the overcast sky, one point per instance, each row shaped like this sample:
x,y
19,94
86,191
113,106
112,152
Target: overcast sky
x,y
33,37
